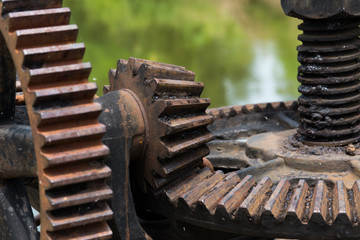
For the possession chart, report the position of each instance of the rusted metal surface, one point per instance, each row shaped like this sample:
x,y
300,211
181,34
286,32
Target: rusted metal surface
x,y
314,9
175,119
265,183
63,117
272,192
16,221
236,124
17,153
301,200
125,138
329,71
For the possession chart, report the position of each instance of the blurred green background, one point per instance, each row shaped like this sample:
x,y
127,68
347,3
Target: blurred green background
x,y
243,50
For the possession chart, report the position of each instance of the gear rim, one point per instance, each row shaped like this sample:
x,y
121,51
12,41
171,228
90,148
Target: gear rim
x,y
39,30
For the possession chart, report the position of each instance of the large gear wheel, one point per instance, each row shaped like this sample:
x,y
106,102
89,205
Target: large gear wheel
x,y
297,202
39,48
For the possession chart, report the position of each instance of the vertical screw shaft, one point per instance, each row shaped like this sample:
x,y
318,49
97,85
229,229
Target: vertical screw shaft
x,y
329,76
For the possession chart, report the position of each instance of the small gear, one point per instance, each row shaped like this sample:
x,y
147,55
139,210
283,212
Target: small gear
x,y
175,118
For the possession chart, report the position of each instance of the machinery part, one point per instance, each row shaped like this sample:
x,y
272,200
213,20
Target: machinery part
x,y
233,203
125,136
17,221
301,206
39,47
162,124
329,71
234,125
162,135
174,116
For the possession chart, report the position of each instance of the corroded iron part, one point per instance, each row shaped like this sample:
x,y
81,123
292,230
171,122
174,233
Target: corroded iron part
x,y
314,9
125,137
296,202
175,118
234,125
303,206
329,72
63,117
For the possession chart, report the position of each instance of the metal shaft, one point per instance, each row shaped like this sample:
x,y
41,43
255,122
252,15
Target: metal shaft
x,y
329,76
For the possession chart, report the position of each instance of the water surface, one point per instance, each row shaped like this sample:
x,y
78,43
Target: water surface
x,y
243,50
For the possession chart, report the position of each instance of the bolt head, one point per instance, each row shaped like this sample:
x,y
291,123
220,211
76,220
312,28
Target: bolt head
x,y
321,9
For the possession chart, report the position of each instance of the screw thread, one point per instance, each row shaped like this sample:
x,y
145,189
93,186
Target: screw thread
x,y
329,74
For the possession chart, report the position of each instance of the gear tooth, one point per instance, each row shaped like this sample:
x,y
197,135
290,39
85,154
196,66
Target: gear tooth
x,y
176,125
42,56
193,194
70,91
260,107
276,105
249,108
39,18
175,145
35,37
356,199
179,88
211,198
75,173
183,162
69,114
225,112
140,61
95,231
184,106
106,89
72,134
319,211
124,65
270,107
58,74
74,152
15,6
296,208
190,182
112,81
276,203
257,197
150,71
92,213
79,194
232,200
341,204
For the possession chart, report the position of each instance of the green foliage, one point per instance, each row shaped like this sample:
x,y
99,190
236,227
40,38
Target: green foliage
x,y
205,36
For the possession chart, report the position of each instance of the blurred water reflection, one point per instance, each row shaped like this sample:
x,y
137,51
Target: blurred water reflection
x,y
243,50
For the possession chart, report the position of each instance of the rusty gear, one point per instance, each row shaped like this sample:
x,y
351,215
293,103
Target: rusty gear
x,y
168,144
232,202
63,117
175,118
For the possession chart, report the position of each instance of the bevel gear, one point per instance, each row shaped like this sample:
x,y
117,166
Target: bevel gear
x,y
296,203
